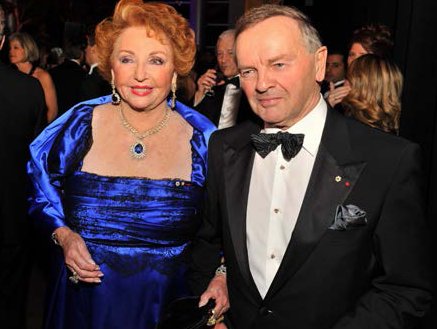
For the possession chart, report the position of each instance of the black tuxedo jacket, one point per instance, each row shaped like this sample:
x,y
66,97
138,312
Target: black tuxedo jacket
x,y
371,276
67,78
22,116
211,107
94,86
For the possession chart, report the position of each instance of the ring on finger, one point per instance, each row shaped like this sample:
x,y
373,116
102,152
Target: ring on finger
x,y
74,278
212,321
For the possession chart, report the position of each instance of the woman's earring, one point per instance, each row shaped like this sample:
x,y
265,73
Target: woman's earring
x,y
173,91
116,99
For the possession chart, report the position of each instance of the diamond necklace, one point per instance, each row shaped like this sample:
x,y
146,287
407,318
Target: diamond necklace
x,y
138,149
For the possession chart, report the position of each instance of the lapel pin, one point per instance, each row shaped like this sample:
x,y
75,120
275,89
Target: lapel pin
x,y
338,179
347,184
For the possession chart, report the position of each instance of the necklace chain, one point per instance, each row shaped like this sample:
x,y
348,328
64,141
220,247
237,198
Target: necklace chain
x,y
148,132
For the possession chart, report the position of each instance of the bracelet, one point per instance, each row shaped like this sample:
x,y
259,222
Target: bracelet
x,y
221,270
55,239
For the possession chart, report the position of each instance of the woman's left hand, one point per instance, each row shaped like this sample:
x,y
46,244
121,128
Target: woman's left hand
x,y
217,290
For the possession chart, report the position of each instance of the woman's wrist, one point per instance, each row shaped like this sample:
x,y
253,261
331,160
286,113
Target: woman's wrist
x,y
58,236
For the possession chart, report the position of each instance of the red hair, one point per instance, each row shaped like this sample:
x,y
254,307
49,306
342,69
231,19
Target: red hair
x,y
162,21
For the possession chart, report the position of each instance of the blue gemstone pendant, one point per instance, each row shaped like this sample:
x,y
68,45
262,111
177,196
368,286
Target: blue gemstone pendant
x,y
138,150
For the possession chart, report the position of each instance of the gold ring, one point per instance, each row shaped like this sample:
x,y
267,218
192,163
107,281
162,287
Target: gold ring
x,y
212,321
74,278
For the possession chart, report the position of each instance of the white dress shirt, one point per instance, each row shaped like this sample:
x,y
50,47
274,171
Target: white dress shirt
x,y
92,67
276,192
230,106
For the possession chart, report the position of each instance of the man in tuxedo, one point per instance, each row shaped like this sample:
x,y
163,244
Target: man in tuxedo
x,y
319,218
22,116
335,71
68,76
219,96
94,85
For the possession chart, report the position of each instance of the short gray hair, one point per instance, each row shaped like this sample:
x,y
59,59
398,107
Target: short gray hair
x,y
256,15
226,33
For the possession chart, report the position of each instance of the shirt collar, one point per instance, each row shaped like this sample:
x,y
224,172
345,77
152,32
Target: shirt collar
x,y
311,126
92,67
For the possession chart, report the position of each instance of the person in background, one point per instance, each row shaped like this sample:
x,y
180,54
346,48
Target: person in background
x,y
320,218
54,57
186,88
335,71
24,54
69,75
94,84
219,96
371,39
22,117
376,89
368,39
118,181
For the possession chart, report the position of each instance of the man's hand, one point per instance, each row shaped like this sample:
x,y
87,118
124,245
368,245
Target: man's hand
x,y
336,95
207,81
204,84
217,290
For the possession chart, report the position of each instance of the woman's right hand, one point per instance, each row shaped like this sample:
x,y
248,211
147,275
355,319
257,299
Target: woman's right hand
x,y
77,256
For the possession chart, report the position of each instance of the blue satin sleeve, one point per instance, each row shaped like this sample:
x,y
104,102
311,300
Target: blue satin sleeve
x,y
55,153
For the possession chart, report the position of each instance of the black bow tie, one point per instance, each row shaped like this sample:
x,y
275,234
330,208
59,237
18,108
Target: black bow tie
x,y
235,81
266,143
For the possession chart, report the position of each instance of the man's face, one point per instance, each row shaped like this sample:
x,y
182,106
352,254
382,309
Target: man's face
x,y
278,73
335,69
90,54
225,56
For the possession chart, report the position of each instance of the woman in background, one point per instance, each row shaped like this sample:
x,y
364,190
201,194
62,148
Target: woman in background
x,y
368,39
118,181
24,54
375,95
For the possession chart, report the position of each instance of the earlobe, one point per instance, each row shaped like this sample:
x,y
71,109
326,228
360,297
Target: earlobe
x,y
320,62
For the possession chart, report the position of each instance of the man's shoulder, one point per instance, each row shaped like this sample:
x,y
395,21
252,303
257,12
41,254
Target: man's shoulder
x,y
375,140
67,67
10,77
238,134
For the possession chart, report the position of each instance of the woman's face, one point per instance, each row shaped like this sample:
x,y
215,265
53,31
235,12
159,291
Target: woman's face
x,y
16,52
142,68
356,51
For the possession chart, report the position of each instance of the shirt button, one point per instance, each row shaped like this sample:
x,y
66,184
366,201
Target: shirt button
x,y
177,183
276,210
282,167
272,256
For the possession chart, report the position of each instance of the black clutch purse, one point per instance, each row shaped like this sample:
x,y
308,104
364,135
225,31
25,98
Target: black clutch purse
x,y
184,313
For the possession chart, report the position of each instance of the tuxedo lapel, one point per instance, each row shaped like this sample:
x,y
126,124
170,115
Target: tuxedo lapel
x,y
238,162
335,172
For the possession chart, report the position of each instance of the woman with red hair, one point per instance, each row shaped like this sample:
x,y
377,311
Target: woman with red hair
x,y
118,181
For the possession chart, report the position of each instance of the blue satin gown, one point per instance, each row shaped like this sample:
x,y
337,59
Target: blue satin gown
x,y
138,230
